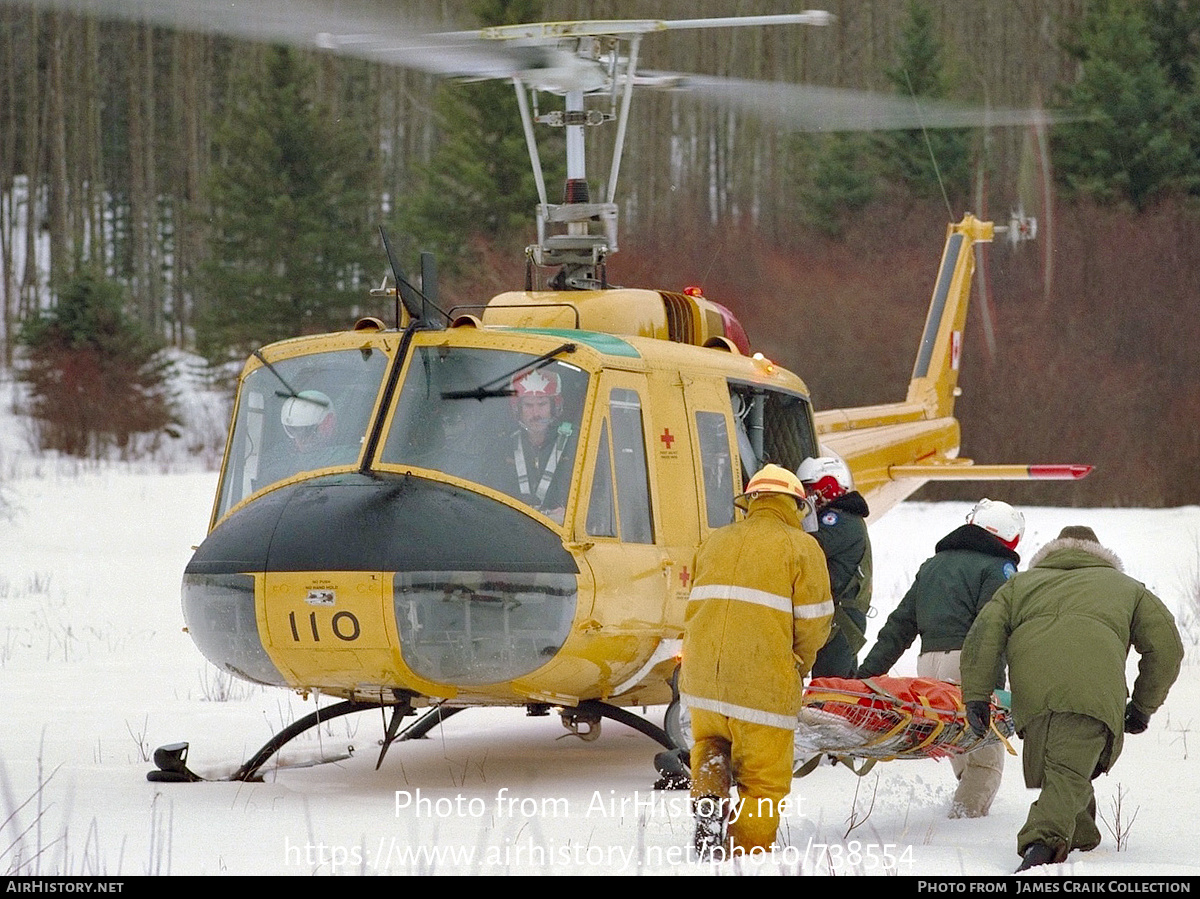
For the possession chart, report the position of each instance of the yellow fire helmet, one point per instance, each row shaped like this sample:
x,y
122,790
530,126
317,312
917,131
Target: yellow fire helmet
x,y
773,479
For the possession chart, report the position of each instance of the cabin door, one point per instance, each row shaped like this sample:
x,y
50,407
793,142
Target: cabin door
x,y
619,524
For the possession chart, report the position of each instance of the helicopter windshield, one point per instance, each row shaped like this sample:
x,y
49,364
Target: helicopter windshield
x,y
300,414
506,420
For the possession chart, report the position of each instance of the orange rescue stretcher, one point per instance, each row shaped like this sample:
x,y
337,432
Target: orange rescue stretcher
x,y
886,718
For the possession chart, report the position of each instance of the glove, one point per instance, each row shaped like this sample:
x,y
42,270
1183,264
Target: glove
x,y
1136,720
979,717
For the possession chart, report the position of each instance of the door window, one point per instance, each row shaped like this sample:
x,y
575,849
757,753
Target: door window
x,y
717,465
629,456
619,505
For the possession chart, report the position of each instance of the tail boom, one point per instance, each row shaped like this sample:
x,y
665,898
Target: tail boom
x,y
895,448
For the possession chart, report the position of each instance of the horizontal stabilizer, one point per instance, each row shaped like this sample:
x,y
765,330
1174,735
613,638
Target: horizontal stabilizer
x,y
966,470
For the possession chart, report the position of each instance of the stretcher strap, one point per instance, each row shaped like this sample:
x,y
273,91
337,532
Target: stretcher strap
x,y
904,723
903,709
882,692
1003,739
811,765
941,724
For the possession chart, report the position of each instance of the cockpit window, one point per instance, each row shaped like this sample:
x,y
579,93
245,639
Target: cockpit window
x,y
507,420
300,414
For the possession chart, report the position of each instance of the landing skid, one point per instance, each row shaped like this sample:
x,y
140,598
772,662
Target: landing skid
x,y
171,759
672,764
590,711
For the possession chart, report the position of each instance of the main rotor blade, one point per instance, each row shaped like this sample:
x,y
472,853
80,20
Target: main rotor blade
x,y
551,31
806,107
533,54
348,28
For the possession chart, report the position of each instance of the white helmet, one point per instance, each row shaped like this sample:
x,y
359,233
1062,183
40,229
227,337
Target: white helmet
x,y
825,478
1000,519
305,411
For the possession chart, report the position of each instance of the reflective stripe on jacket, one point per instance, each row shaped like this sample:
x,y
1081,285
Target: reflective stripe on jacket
x,y
759,609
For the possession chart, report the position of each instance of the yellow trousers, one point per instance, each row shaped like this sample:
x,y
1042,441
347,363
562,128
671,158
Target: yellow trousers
x,y
757,759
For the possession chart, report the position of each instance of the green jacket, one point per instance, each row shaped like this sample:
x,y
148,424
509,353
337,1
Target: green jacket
x,y
842,533
1066,626
950,588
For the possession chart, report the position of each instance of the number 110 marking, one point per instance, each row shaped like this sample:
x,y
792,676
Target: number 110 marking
x,y
344,624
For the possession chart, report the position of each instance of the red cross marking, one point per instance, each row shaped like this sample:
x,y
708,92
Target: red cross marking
x,y
667,438
684,576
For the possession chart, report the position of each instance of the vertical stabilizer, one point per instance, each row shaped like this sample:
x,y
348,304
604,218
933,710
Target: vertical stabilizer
x,y
934,383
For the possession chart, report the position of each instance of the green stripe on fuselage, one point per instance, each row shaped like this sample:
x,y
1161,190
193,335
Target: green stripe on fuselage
x,y
601,343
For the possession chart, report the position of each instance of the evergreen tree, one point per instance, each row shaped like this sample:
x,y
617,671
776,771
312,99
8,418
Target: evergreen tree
x,y
95,376
291,237
479,182
842,182
1131,142
1174,28
929,162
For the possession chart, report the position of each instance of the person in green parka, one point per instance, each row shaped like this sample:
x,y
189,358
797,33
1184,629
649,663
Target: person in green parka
x,y
969,565
1066,626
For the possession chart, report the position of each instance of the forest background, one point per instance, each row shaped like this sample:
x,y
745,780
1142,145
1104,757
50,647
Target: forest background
x,y
163,188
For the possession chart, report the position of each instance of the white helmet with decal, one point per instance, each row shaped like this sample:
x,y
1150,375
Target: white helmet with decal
x,y
999,519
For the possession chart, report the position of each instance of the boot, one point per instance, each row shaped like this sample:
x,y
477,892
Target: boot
x,y
710,813
1036,854
673,767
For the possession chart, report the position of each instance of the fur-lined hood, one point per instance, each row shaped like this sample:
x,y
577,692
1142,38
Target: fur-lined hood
x,y
1104,555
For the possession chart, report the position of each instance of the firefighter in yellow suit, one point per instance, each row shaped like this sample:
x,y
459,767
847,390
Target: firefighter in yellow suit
x,y
759,610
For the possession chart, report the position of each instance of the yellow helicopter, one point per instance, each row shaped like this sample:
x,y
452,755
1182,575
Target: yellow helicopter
x,y
498,504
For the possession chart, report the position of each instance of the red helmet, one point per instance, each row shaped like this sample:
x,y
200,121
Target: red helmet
x,y
828,477
537,383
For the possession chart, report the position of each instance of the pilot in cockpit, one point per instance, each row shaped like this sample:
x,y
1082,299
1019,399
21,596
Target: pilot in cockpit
x,y
535,460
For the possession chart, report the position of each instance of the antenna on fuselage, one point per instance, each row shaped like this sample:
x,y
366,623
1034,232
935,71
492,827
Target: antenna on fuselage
x,y
416,303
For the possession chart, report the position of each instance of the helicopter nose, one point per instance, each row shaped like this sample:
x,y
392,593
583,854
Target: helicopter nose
x,y
480,593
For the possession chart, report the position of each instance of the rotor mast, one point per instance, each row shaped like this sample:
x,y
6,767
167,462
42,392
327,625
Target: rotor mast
x,y
579,249
577,235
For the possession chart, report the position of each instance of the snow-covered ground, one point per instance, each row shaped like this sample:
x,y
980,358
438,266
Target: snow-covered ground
x,y
95,672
